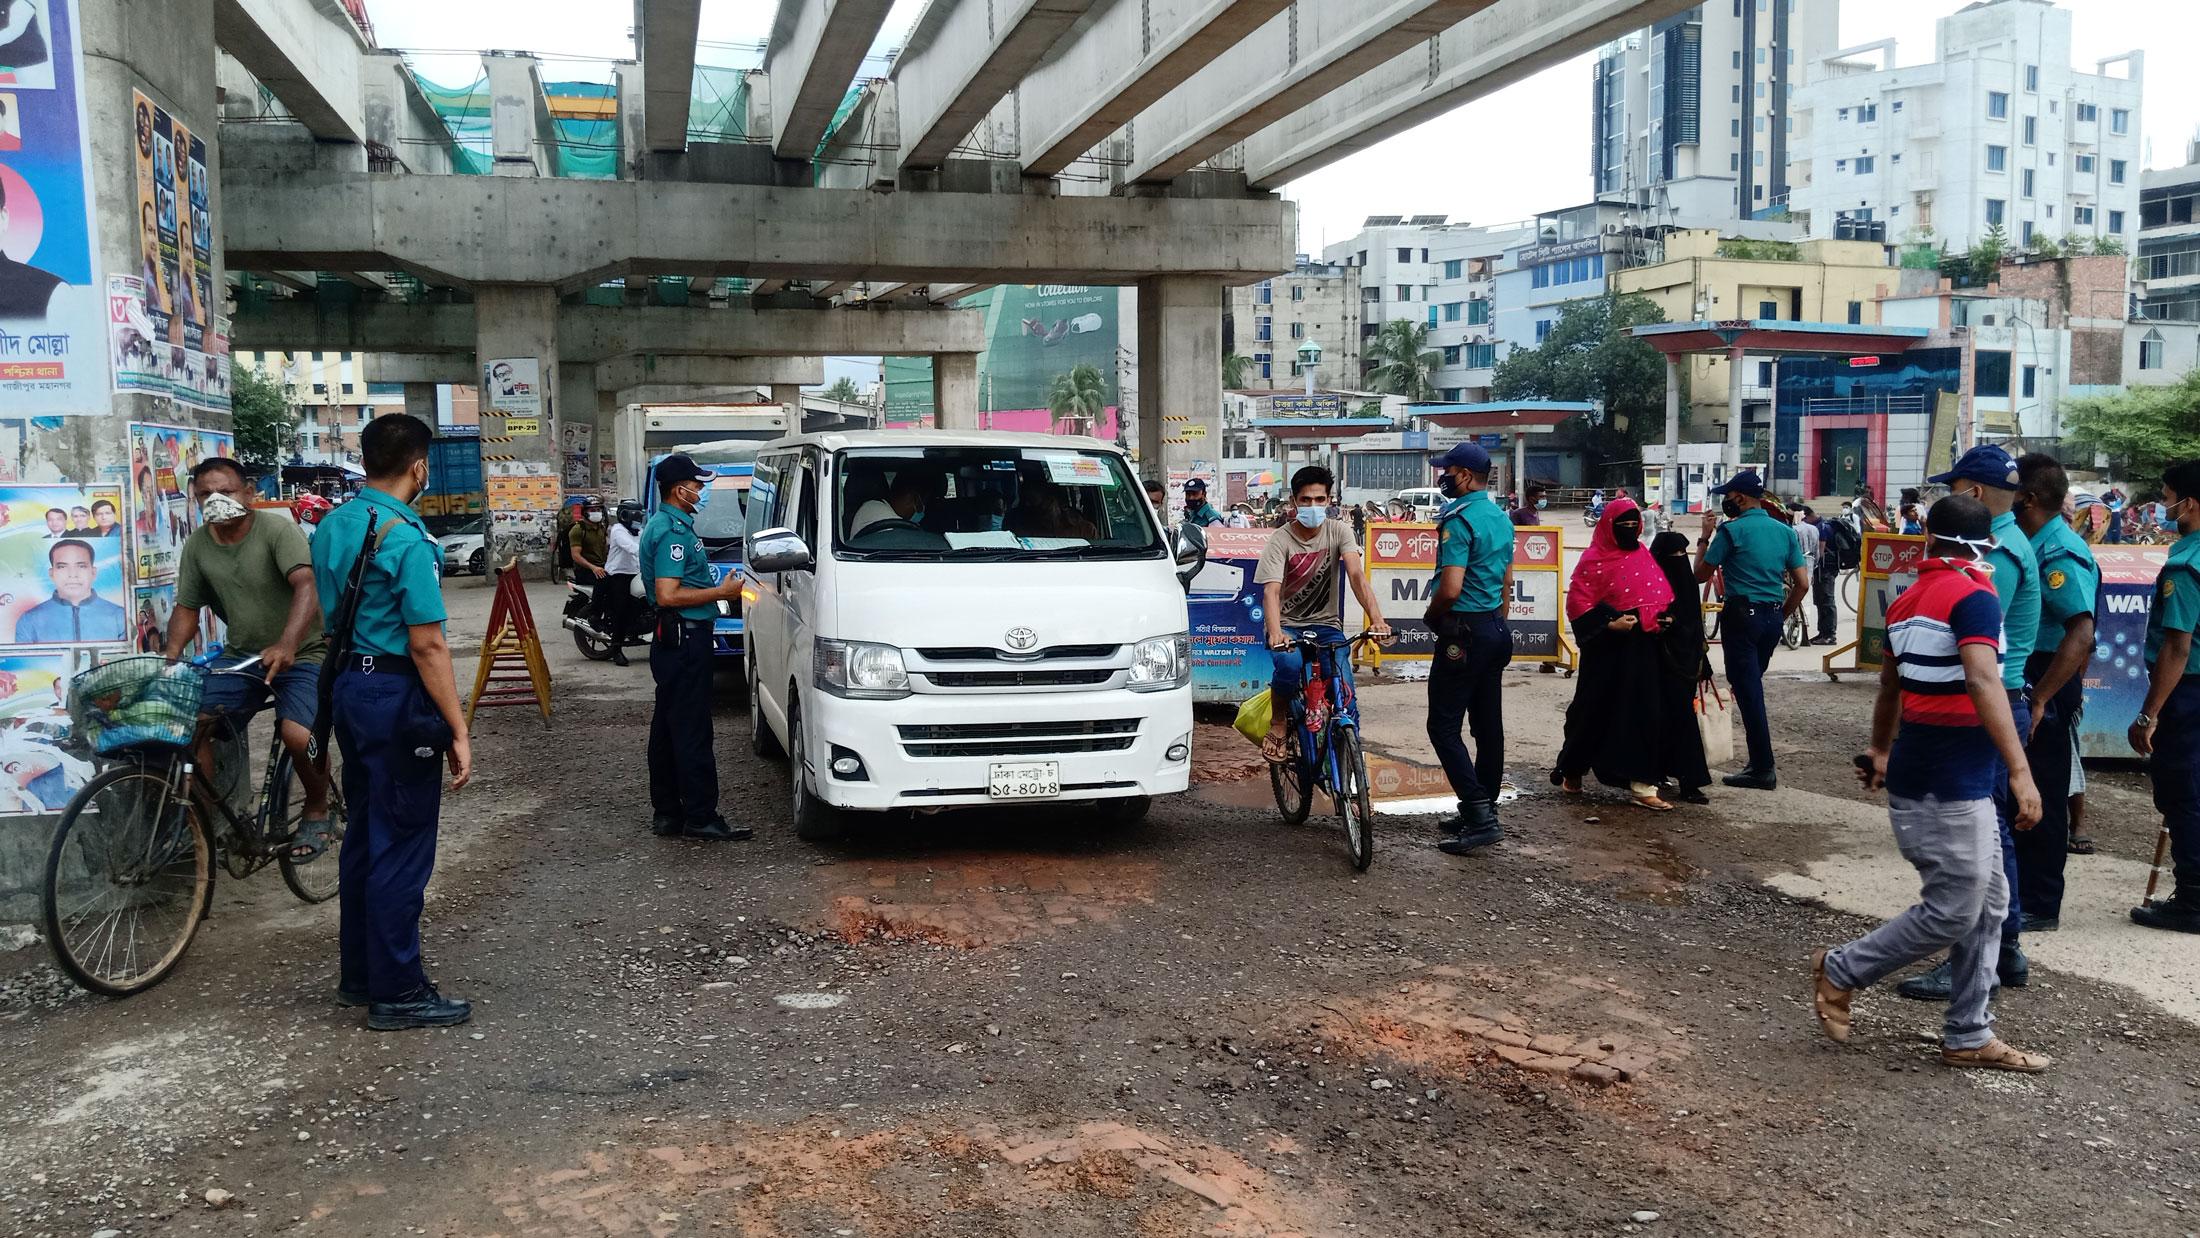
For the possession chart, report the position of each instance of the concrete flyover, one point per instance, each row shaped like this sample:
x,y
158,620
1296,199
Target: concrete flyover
x,y
664,34
309,58
815,51
571,234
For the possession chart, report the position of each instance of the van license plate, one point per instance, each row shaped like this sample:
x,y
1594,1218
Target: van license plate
x,y
1035,780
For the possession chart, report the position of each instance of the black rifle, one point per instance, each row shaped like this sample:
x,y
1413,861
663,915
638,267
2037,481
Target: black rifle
x,y
340,639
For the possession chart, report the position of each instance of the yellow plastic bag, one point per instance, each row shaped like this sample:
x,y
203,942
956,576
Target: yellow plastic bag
x,y
1255,717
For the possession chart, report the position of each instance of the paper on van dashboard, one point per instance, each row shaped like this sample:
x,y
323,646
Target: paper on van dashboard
x,y
1000,540
1075,469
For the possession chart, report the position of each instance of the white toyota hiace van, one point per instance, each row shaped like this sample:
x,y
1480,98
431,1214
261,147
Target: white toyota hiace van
x,y
943,619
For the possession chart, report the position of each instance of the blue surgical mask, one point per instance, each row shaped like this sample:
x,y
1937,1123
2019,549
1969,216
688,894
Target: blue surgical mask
x,y
702,497
1312,517
1540,504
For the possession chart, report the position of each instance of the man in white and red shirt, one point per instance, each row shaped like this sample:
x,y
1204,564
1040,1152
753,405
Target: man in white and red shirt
x,y
1941,679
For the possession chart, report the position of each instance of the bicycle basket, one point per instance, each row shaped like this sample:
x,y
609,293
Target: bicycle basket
x,y
135,701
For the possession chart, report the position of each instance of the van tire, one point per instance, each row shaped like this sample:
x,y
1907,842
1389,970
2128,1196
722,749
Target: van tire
x,y
761,740
815,821
1124,812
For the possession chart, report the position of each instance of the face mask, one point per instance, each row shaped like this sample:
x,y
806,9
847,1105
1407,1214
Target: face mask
x,y
702,497
595,517
1731,509
1540,504
1628,534
221,509
1448,486
1312,517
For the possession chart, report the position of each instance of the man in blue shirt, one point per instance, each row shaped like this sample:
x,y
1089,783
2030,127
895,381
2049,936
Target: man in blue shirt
x,y
2168,726
1474,644
683,766
1765,583
1197,509
2069,584
74,614
397,720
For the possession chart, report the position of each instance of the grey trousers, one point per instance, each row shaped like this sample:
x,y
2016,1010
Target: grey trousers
x,y
1955,845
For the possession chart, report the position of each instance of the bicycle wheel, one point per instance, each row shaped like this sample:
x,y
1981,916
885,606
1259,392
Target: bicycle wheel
x,y
1294,794
1792,633
1354,810
1848,590
127,882
314,880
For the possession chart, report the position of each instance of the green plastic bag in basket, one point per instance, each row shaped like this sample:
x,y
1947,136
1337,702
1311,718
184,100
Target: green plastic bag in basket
x,y
1256,716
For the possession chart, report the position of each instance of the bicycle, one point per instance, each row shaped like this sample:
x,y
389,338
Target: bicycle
x,y
1326,754
1795,631
131,872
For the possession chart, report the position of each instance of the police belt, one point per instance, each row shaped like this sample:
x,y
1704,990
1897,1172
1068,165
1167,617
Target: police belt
x,y
382,664
674,619
1494,613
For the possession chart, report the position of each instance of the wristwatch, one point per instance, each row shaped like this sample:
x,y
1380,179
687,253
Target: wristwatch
x,y
2145,721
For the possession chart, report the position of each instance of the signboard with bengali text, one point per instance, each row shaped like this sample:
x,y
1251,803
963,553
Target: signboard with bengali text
x,y
1889,566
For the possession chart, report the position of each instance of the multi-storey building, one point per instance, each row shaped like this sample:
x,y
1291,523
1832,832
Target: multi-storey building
x,y
1391,255
1999,131
1462,306
1695,115
1268,322
334,399
2162,342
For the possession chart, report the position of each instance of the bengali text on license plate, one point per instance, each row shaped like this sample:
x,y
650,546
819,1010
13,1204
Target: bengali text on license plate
x,y
1032,781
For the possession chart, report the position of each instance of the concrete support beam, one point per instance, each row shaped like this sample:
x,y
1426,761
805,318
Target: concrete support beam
x,y
574,234
1503,44
424,369
884,292
1288,63
515,324
620,373
1179,373
308,55
521,136
1089,86
816,50
832,289
669,393
364,279
943,294
666,39
420,400
964,58
789,397
955,389
765,288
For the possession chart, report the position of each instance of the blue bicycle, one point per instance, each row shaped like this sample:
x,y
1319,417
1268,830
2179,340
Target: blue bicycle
x,y
1325,754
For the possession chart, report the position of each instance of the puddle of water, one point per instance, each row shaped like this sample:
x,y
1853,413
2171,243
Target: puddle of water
x,y
1397,787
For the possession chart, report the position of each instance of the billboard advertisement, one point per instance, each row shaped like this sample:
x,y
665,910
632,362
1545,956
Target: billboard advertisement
x,y
1230,658
53,342
1035,334
2116,679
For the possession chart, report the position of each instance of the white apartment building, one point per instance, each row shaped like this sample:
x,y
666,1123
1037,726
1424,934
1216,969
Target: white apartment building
x,y
1695,115
2162,342
1392,254
1462,306
334,399
1998,130
1267,323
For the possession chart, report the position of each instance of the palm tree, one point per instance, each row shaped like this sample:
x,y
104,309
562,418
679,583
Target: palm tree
x,y
1077,399
1234,366
1400,360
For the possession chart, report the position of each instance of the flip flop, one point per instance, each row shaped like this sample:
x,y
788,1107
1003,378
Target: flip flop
x,y
1653,803
2081,844
310,843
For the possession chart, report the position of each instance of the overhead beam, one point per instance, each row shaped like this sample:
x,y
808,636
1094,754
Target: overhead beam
x,y
816,49
1086,89
464,231
665,37
765,288
1290,62
830,290
964,58
620,373
1505,43
941,294
308,55
884,292
456,369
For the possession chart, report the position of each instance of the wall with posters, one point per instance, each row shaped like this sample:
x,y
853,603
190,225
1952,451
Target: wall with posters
x,y
36,774
63,576
162,514
1230,659
163,334
52,303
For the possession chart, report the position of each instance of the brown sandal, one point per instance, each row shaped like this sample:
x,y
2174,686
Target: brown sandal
x,y
1653,803
1829,1000
1276,748
1997,1055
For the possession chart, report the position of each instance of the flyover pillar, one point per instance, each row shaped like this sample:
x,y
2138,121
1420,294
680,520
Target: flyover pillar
x,y
789,396
516,342
420,402
955,391
1179,373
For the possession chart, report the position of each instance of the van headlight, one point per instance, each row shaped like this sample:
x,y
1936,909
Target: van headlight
x,y
860,671
1161,663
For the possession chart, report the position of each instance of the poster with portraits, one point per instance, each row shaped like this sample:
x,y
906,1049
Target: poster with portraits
x,y
37,773
162,335
62,576
161,512
52,309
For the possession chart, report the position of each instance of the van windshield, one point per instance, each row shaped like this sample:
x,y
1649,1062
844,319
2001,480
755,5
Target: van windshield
x,y
991,503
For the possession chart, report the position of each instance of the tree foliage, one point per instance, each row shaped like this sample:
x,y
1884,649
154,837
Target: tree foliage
x,y
1589,357
1760,251
2142,430
844,390
1234,367
1077,399
266,423
1401,361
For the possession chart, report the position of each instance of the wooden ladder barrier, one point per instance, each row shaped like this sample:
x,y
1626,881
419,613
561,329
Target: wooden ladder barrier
x,y
512,669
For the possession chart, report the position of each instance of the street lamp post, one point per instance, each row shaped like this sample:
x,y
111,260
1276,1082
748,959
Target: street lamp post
x,y
1310,355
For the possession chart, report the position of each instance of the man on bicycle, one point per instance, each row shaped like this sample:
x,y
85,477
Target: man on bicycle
x,y
257,575
1299,593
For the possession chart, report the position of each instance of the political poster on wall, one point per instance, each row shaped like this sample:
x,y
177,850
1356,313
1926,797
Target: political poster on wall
x,y
161,512
52,347
62,577
142,362
512,386
186,354
36,774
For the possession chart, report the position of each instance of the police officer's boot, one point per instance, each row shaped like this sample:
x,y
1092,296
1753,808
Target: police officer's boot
x,y
424,1008
664,826
1477,828
2179,913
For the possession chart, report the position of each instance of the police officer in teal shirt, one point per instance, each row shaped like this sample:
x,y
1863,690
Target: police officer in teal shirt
x,y
1474,644
1765,583
2168,727
2069,588
683,765
396,720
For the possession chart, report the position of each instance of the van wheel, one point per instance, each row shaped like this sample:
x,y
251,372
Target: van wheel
x,y
1120,813
761,740
815,821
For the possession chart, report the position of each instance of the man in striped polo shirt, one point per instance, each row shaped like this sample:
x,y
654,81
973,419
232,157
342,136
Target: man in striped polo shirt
x,y
1943,684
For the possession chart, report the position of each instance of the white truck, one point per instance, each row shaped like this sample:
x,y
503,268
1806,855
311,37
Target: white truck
x,y
643,432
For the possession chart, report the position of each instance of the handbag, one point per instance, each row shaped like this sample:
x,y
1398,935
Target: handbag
x,y
1714,724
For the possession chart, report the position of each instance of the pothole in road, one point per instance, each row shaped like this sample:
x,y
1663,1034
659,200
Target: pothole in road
x,y
973,900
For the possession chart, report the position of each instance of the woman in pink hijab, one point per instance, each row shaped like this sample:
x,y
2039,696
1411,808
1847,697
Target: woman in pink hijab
x,y
1616,603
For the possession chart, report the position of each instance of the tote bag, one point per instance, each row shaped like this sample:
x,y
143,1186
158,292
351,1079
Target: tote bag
x,y
1715,724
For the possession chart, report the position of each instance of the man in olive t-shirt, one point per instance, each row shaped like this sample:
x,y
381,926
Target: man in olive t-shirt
x,y
255,572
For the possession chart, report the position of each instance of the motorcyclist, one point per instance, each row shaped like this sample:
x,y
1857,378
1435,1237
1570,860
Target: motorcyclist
x,y
615,601
308,510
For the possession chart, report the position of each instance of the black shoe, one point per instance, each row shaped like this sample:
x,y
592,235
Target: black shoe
x,y
2013,970
425,1008
1933,986
618,658
1689,795
1825,640
2041,924
352,997
1753,780
663,826
2174,916
719,830
1478,828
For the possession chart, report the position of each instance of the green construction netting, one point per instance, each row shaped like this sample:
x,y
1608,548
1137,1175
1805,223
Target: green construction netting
x,y
587,146
718,110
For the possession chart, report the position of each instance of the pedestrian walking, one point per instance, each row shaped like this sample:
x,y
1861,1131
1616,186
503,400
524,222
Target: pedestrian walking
x,y
1684,669
2168,726
396,717
1616,604
2069,589
683,766
616,604
1474,644
1822,555
1942,771
1986,473
1764,584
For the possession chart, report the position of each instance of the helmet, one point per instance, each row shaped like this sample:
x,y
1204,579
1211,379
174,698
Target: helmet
x,y
309,508
630,512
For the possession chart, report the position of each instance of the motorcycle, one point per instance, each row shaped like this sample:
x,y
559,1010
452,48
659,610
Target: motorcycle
x,y
594,644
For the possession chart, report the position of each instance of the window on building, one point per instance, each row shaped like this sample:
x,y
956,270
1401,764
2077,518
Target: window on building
x,y
1541,277
1478,313
1298,292
1768,309
1363,258
1760,55
1897,106
1263,293
346,357
1453,310
2024,231
1865,164
1760,90
349,389
1996,210
1405,255
2031,131
1453,267
2087,113
1844,113
1760,159
1733,161
2082,215
2116,171
1737,89
2050,210
1402,293
1997,104
2119,120
1737,58
1764,373
1992,377
2085,164
2031,386
1542,329
2026,183
2115,221
320,388
1451,354
1298,330
1265,363
1867,114
1264,328
316,358
1997,159
1760,124
2150,350
1424,255
1856,312
2032,78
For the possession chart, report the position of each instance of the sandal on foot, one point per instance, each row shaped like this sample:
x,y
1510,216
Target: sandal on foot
x,y
1653,803
1571,786
1829,1000
1997,1055
2081,844
310,843
1276,749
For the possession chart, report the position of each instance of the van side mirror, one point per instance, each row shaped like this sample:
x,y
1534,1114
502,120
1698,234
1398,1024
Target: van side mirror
x,y
777,550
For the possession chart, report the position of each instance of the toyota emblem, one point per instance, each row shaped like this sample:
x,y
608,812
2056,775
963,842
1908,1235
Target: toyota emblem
x,y
1021,639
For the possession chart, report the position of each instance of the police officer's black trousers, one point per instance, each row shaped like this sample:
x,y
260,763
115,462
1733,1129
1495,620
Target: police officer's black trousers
x,y
393,741
683,765
1472,652
2175,770
2042,849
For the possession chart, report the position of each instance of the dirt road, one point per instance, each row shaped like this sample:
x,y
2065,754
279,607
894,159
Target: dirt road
x,y
1026,1024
